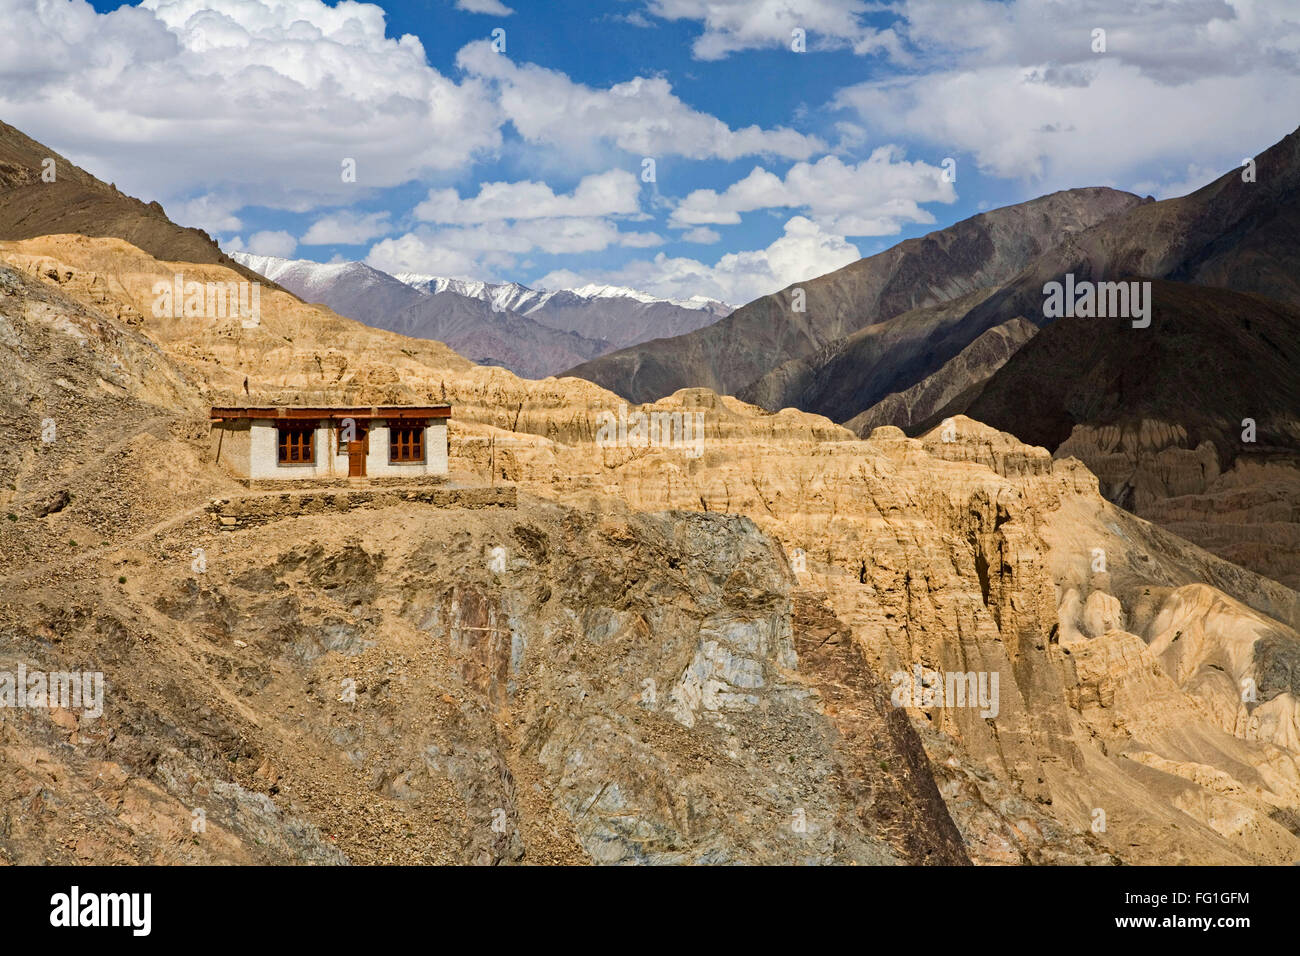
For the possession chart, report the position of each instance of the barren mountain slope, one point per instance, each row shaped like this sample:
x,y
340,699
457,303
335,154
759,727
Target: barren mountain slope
x,y
960,376
616,314
627,689
1230,234
77,202
304,354
968,567
526,347
352,289
621,319
858,370
982,252
957,555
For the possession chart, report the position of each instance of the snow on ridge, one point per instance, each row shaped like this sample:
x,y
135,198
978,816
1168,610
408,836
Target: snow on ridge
x,y
520,298
599,291
503,295
274,267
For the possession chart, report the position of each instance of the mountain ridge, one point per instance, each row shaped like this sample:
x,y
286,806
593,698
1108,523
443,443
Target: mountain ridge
x,y
534,333
519,297
77,202
978,252
471,326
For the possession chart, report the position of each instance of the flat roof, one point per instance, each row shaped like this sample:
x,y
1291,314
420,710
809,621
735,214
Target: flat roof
x,y
291,412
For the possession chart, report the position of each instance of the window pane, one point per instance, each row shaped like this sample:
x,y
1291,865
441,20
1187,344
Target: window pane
x,y
296,444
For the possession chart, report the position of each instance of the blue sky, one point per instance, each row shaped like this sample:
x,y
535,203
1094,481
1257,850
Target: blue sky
x,y
770,165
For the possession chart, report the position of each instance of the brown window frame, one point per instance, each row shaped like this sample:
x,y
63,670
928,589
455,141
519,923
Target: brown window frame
x,y
406,442
289,451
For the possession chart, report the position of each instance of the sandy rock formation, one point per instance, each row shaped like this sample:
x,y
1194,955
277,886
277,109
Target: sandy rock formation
x,y
965,552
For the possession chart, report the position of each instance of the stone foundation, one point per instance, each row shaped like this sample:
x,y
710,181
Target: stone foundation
x,y
255,509
353,484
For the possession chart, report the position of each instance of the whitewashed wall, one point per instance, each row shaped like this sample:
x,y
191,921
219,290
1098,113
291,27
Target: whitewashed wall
x,y
264,451
250,450
435,452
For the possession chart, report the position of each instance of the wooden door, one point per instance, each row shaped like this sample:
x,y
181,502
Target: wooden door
x,y
358,448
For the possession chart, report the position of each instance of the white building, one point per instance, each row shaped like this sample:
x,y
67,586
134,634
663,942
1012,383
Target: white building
x,y
290,444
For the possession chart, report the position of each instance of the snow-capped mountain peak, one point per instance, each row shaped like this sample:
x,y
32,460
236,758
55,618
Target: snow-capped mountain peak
x,y
502,295
522,322
520,298
306,278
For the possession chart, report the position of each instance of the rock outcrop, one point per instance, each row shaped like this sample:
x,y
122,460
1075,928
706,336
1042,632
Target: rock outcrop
x,y
775,583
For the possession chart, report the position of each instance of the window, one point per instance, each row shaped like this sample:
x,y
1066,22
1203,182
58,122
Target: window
x,y
297,444
406,442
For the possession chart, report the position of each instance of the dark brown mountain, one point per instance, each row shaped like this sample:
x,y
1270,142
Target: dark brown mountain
x,y
77,202
840,377
1231,234
959,379
982,252
1210,358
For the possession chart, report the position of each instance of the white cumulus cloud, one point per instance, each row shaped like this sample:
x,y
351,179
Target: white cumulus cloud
x,y
491,7
875,197
803,252
734,25
1021,87
615,192
347,228
251,101
484,250
701,235
641,116
271,242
